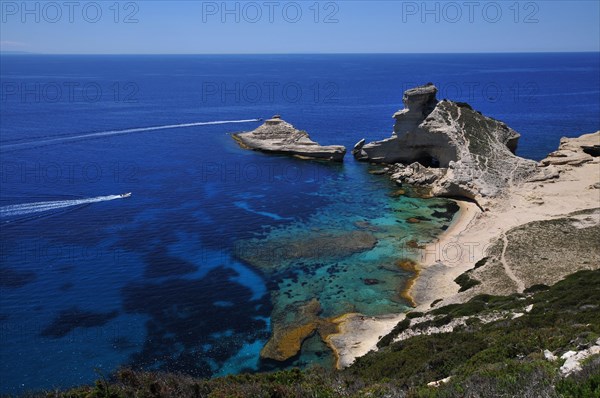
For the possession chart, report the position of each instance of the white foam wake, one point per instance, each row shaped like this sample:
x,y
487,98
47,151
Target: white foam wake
x,y
38,207
29,144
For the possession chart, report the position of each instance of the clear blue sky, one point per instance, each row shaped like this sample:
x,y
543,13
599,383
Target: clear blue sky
x,y
264,26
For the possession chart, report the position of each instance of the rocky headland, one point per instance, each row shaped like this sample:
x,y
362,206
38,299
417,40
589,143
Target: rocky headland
x,y
278,136
521,223
449,149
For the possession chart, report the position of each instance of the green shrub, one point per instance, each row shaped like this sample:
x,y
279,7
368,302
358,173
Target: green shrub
x,y
388,338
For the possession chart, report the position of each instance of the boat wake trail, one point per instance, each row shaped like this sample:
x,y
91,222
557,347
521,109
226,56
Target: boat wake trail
x,y
38,207
60,139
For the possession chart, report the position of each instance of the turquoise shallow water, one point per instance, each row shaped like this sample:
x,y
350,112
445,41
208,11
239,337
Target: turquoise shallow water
x,y
339,281
304,261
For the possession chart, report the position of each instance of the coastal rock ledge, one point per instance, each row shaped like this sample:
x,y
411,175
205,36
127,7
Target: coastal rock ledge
x,y
449,149
278,136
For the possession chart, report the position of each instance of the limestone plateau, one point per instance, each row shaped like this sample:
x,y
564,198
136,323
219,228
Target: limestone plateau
x,y
278,136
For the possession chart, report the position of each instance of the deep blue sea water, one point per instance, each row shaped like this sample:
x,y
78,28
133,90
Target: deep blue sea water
x,y
154,281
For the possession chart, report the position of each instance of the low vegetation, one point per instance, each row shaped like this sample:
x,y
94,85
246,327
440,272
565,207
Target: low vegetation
x,y
466,281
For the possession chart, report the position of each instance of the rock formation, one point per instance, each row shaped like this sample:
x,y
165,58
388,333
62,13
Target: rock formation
x,y
294,320
450,149
278,136
292,325
281,253
535,233
575,151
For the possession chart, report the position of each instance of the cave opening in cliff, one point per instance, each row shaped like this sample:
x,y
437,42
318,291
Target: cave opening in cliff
x,y
428,160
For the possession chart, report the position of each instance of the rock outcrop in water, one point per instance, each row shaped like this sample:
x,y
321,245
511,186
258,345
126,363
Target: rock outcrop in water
x,y
294,320
279,254
450,149
292,325
575,151
278,136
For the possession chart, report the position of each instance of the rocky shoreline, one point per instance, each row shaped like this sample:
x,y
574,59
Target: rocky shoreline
x,y
448,149
491,240
480,244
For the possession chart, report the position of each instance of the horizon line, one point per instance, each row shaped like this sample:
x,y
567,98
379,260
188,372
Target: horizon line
x,y
12,52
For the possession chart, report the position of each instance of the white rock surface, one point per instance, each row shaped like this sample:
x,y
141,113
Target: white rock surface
x,y
451,149
550,356
278,136
439,382
573,359
574,151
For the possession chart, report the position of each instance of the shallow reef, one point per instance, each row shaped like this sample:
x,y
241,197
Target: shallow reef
x,y
354,257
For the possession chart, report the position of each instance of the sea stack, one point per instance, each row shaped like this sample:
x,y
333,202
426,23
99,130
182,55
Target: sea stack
x,y
278,136
449,149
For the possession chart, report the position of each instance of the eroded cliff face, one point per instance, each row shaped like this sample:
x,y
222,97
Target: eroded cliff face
x,y
449,149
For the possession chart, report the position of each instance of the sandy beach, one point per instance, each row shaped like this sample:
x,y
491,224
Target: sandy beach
x,y
460,247
473,231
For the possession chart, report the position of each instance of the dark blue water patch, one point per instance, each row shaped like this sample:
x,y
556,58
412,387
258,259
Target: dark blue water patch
x,y
65,287
75,226
143,238
160,264
189,330
154,229
75,317
13,278
123,344
65,268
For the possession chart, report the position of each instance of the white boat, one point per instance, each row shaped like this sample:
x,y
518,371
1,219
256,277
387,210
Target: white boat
x,y
126,195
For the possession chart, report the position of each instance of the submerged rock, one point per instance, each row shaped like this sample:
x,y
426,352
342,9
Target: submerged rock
x,y
397,193
278,136
449,148
292,325
75,317
277,254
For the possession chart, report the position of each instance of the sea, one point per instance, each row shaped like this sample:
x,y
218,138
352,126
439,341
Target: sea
x,y
217,245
